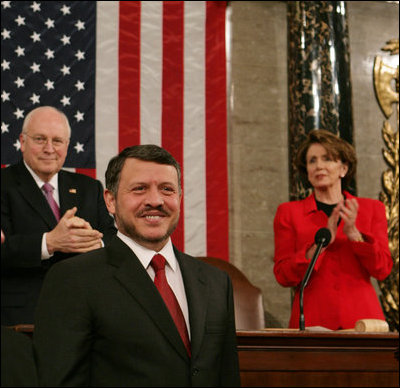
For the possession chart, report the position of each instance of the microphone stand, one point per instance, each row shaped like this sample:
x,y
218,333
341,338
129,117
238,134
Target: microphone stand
x,y
306,279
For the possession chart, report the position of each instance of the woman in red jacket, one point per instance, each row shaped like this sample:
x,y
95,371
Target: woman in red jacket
x,y
339,291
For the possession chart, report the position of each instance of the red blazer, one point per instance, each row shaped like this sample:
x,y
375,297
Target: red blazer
x,y
339,291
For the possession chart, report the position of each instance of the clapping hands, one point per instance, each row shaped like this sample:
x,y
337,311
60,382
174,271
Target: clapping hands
x,y
347,211
73,234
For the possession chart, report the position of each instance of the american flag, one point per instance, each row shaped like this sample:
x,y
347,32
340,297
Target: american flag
x,y
48,58
125,73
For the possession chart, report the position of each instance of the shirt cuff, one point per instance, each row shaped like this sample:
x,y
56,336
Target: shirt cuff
x,y
45,253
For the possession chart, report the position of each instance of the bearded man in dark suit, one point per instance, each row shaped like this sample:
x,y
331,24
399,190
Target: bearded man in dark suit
x,y
35,238
108,325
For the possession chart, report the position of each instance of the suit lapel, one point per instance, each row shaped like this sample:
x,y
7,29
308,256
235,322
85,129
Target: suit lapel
x,y
33,195
312,216
132,276
197,296
69,193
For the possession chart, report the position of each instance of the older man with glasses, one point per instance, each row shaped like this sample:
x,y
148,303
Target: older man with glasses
x,y
47,214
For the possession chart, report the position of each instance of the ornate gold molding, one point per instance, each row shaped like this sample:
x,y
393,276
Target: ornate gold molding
x,y
384,78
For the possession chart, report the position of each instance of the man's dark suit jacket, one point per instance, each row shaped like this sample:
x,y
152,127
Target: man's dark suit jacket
x,y
18,367
101,322
25,216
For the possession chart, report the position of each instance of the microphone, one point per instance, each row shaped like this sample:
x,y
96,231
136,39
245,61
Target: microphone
x,y
322,239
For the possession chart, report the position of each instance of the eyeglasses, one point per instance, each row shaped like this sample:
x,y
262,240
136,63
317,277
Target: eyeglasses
x,y
57,142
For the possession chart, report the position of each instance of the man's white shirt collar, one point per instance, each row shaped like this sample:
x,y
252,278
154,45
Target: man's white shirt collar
x,y
145,255
53,181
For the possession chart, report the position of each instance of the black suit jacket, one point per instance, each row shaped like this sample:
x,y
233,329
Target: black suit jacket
x,y
25,216
101,322
18,367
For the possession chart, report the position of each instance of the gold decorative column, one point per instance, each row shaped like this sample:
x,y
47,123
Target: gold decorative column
x,y
318,77
386,76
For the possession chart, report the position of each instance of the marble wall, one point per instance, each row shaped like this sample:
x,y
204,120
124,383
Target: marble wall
x,y
258,128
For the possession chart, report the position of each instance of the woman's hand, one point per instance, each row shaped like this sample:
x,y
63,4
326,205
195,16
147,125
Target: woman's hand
x,y
333,221
348,213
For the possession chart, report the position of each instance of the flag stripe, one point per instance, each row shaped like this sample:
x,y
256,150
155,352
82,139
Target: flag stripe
x,y
194,128
87,171
151,72
106,85
129,74
216,160
172,92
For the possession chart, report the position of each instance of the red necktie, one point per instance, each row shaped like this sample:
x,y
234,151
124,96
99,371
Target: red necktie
x,y
48,191
160,281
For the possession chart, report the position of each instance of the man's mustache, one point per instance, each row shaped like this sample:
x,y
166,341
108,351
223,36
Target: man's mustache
x,y
148,208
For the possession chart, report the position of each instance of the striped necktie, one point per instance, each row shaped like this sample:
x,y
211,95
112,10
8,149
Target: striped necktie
x,y
48,192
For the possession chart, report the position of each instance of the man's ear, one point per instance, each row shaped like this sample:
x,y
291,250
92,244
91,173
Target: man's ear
x,y
109,199
22,142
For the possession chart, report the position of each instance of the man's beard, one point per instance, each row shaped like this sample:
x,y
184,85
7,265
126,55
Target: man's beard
x,y
132,232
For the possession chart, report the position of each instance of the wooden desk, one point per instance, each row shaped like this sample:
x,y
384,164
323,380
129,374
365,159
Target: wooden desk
x,y
290,358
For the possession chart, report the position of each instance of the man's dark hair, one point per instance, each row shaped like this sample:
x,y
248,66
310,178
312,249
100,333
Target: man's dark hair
x,y
145,152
